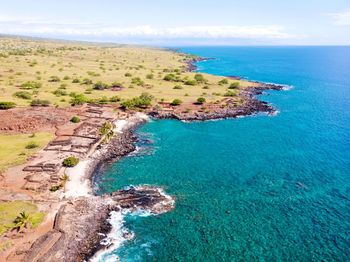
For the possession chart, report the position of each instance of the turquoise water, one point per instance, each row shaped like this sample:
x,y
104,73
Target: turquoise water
x,y
258,188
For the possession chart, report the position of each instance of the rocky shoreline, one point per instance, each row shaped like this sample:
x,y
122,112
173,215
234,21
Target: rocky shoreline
x,y
82,222
250,106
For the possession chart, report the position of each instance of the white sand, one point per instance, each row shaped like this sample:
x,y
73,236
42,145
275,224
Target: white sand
x,y
79,184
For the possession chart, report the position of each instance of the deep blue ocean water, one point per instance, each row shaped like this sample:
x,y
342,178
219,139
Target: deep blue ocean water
x,y
260,188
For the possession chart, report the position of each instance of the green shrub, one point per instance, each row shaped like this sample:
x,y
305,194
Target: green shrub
x,y
137,81
40,102
75,81
66,78
54,79
177,87
7,105
31,85
234,85
223,81
199,78
176,102
201,100
128,74
150,76
75,119
100,86
169,77
70,161
114,99
23,95
190,82
230,93
60,92
78,99
86,81
32,145
142,101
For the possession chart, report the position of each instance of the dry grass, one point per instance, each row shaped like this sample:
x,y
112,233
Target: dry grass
x,y
28,60
13,149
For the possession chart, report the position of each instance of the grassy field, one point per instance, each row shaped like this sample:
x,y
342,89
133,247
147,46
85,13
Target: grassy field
x,y
61,70
15,149
10,210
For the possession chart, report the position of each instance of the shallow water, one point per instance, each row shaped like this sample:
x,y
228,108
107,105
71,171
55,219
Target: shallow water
x,y
256,188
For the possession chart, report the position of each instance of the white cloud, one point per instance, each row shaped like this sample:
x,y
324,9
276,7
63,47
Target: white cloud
x,y
341,18
27,26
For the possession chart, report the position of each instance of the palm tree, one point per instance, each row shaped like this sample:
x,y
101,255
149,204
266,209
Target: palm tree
x,y
21,221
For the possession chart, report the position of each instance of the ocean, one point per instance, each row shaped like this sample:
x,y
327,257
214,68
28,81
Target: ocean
x,y
257,188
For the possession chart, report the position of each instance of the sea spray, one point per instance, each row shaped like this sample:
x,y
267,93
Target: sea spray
x,y
119,234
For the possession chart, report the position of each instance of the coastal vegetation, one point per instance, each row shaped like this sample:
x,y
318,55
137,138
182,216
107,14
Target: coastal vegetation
x,y
70,161
19,215
71,74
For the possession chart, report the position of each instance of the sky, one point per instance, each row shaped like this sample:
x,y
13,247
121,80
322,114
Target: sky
x,y
181,22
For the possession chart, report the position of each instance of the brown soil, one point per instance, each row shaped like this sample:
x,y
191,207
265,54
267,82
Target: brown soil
x,y
26,120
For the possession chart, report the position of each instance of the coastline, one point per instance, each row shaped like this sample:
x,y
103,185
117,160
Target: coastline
x,y
80,200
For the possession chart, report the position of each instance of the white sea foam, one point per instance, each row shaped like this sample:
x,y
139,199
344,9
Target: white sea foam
x,y
114,239
119,234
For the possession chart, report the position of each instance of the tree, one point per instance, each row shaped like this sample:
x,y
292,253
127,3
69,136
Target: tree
x,y
21,221
176,102
70,161
201,100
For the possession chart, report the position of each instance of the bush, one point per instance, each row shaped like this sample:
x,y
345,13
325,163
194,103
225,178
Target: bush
x,y
234,85
86,81
199,78
30,85
177,87
201,100
100,86
142,101
190,82
75,81
78,99
40,102
128,75
223,81
66,78
137,81
70,161
176,102
75,119
150,76
7,105
59,92
32,145
23,95
54,79
230,93
169,77
114,99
